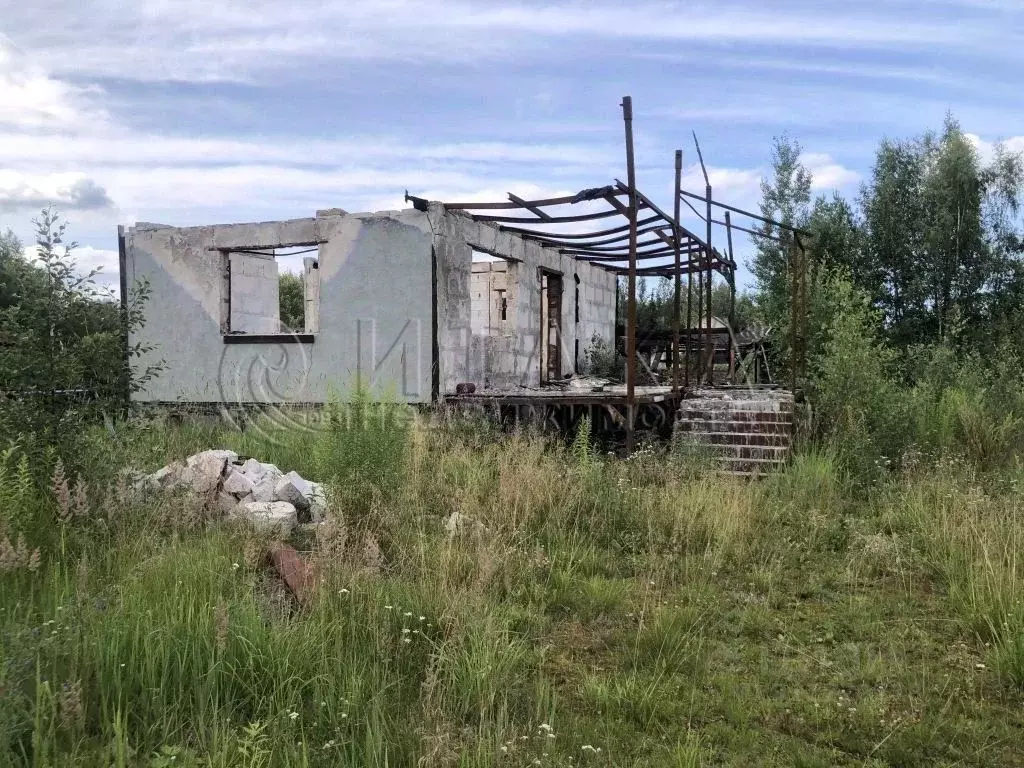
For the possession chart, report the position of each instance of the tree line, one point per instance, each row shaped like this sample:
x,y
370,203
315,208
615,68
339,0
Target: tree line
x,y
932,240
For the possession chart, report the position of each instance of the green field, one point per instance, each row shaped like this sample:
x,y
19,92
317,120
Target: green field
x,y
590,611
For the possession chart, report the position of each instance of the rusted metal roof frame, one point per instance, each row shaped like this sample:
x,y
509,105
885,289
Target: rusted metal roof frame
x,y
606,246
741,212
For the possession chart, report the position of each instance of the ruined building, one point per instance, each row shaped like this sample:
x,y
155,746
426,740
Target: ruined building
x,y
412,302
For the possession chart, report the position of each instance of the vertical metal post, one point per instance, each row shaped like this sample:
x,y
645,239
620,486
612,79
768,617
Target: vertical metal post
x,y
802,276
678,280
709,342
793,291
627,117
732,296
700,317
122,269
689,316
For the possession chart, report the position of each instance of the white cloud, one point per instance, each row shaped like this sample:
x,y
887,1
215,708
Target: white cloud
x,y
143,149
827,174
66,190
205,41
803,65
32,100
987,149
88,259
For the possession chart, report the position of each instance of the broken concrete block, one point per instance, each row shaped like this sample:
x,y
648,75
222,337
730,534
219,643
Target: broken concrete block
x,y
271,469
293,489
204,471
238,484
165,477
297,573
454,524
220,453
226,502
252,468
263,490
273,516
317,503
164,474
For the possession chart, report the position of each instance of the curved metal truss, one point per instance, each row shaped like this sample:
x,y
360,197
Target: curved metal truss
x,y
554,223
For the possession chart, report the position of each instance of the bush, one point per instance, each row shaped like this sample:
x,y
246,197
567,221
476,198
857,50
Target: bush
x,y
852,390
602,359
63,360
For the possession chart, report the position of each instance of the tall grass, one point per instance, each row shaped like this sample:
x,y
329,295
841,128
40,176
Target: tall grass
x,y
146,633
972,537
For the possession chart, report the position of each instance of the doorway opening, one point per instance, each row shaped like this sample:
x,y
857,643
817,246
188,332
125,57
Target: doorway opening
x,y
551,290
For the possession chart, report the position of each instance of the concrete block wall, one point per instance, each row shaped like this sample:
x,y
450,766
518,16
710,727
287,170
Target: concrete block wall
x,y
597,310
255,294
311,294
380,283
374,315
513,356
488,284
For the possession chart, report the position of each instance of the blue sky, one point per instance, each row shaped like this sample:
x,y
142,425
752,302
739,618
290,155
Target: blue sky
x,y
187,112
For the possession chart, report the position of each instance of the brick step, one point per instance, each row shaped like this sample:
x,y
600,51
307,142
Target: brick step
x,y
741,473
740,405
741,464
691,413
734,451
707,426
755,452
741,438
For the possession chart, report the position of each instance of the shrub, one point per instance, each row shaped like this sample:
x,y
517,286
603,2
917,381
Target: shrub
x,y
854,395
602,359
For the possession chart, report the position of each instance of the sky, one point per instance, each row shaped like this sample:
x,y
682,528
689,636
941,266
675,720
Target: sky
x,y
185,112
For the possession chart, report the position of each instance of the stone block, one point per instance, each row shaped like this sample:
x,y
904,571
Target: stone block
x,y
169,476
226,502
204,471
223,454
272,516
239,484
263,490
252,468
293,489
317,503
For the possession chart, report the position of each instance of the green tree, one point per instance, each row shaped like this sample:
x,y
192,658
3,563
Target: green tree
x,y
836,244
1001,304
837,238
852,390
293,303
785,197
893,209
941,245
63,358
958,260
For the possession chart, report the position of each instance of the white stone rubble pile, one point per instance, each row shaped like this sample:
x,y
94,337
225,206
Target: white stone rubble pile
x,y
247,490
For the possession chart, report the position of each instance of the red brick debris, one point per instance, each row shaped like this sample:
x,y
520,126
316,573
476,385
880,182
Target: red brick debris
x,y
296,572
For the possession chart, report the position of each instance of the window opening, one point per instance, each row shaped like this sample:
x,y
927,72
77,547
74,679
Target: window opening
x,y
271,292
489,294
